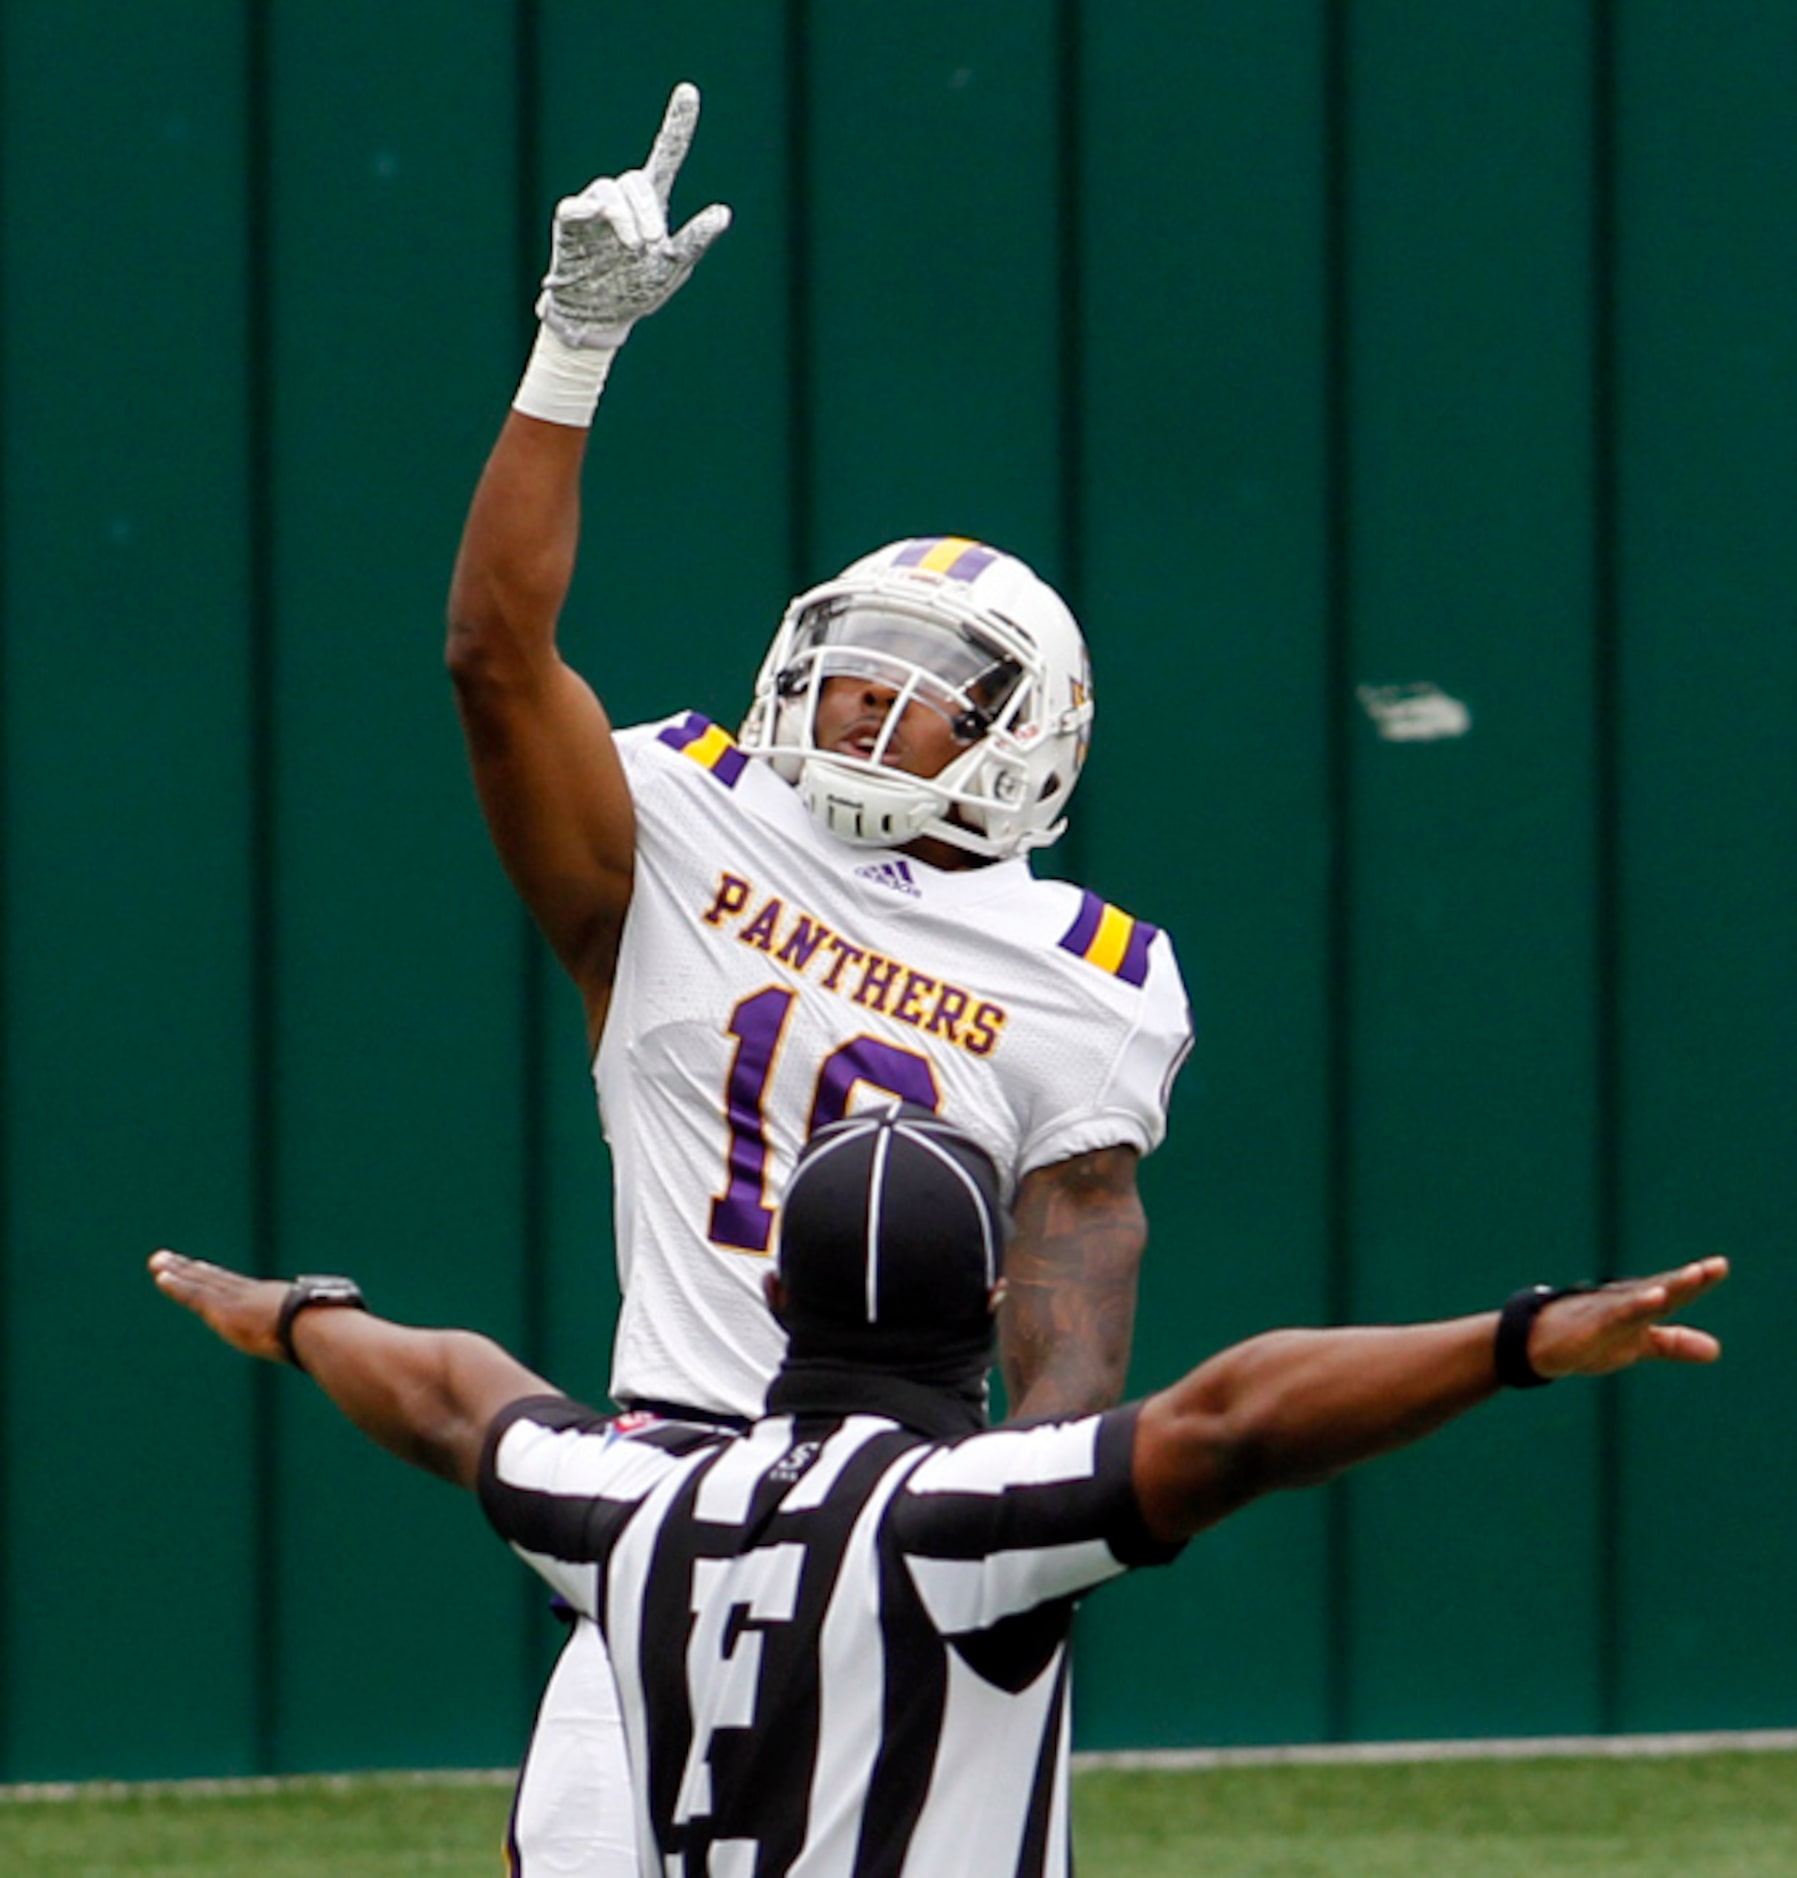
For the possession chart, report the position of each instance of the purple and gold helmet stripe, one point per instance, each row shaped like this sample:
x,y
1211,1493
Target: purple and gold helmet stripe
x,y
953,555
711,747
1111,939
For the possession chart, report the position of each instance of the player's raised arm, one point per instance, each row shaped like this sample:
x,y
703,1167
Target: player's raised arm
x,y
428,1396
1294,1407
538,739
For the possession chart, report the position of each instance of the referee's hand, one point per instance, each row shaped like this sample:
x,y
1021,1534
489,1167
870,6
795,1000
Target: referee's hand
x,y
246,1312
1594,1333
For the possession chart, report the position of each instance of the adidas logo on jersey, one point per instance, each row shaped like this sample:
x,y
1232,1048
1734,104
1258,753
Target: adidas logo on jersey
x,y
894,874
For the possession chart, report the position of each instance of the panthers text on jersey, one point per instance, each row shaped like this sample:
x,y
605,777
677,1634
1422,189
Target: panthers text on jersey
x,y
772,978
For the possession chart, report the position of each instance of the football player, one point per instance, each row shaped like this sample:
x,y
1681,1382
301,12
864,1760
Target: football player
x,y
772,929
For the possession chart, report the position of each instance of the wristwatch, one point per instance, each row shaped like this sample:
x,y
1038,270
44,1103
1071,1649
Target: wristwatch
x,y
309,1290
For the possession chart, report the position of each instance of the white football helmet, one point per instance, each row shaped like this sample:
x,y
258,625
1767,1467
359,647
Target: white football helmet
x,y
967,631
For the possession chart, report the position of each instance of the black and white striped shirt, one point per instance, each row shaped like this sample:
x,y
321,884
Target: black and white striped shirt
x,y
841,1648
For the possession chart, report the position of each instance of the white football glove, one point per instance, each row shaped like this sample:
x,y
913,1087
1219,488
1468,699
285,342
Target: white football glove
x,y
614,260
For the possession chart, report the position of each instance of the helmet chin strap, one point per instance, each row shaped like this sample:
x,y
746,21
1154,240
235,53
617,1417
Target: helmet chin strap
x,y
858,806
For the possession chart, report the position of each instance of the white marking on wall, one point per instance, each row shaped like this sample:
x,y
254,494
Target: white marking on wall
x,y
1420,713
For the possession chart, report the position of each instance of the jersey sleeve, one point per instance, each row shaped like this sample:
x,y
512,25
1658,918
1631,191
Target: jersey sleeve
x,y
1152,1025
687,734
657,758
559,1483
1008,1521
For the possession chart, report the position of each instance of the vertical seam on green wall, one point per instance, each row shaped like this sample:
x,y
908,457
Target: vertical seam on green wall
x,y
8,1526
1337,552
264,931
532,999
1070,412
533,965
801,385
1070,439
1606,662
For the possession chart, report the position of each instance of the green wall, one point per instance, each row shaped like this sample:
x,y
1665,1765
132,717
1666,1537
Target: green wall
x,y
1313,348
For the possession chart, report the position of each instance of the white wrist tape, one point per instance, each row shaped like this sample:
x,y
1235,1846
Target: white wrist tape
x,y
562,383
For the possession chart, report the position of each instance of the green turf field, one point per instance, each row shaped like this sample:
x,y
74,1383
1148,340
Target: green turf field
x,y
1721,1815
1709,1816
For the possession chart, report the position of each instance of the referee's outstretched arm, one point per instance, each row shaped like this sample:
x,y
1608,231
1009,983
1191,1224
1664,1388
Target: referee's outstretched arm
x,y
428,1396
1287,1409
1294,1407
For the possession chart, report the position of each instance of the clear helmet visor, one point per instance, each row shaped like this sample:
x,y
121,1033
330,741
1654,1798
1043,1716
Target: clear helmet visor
x,y
971,683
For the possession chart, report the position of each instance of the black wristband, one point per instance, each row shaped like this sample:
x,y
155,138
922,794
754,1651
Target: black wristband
x,y
1515,1321
314,1288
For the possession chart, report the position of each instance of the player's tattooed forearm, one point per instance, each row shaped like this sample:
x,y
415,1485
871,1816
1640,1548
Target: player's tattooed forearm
x,y
1070,1285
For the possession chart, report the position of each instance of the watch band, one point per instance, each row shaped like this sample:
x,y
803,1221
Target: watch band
x,y
308,1290
1515,1321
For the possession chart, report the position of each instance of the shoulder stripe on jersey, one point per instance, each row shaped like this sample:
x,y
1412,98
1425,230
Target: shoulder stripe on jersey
x,y
1106,936
999,1459
974,1594
953,555
569,1463
710,746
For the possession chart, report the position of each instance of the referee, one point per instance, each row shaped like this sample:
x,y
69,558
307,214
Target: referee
x,y
842,1637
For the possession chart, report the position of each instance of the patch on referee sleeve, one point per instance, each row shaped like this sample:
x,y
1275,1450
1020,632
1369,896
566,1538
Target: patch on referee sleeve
x,y
1114,941
708,745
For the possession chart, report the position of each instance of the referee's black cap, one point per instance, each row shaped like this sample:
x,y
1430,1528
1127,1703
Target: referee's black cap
x,y
892,1232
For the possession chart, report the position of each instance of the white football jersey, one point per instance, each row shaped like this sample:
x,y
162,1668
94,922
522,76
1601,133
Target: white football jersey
x,y
772,978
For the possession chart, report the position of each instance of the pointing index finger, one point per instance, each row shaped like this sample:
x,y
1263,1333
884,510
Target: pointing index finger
x,y
673,140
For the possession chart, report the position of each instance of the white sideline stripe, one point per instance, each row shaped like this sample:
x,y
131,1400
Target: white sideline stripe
x,y
1524,1748
1152,1760
254,1785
